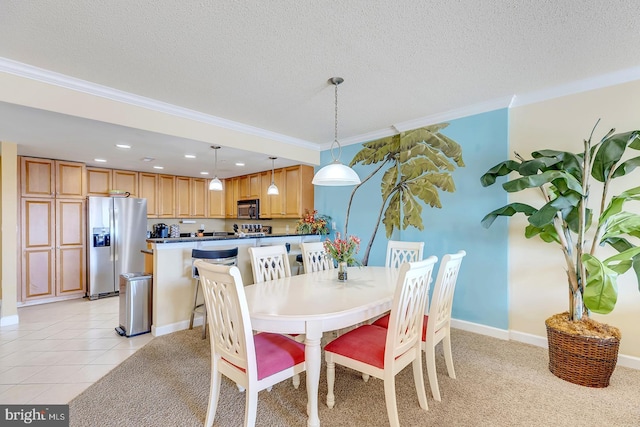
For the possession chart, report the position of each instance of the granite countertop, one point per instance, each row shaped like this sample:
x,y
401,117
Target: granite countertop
x,y
215,238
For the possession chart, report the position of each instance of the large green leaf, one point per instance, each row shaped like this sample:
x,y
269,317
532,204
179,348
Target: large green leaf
x,y
415,167
411,212
391,217
442,180
508,210
626,167
428,154
547,233
547,213
570,162
610,152
623,223
501,169
615,205
531,167
601,289
377,151
557,177
425,191
389,181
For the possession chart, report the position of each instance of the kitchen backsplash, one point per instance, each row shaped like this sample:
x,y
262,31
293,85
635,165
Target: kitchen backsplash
x,y
278,226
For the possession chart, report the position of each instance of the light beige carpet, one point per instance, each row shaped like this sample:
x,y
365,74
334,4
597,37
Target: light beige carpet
x,y
500,383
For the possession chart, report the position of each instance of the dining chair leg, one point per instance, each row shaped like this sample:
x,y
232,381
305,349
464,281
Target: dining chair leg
x,y
446,346
204,323
214,386
250,407
331,379
195,302
390,400
430,356
418,379
365,377
296,381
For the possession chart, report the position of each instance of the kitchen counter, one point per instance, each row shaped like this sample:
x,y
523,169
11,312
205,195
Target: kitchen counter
x,y
218,238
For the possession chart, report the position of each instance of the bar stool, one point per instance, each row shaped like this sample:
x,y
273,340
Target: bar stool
x,y
218,256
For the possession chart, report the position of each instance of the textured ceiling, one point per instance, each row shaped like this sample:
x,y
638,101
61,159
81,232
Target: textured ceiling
x,y
266,63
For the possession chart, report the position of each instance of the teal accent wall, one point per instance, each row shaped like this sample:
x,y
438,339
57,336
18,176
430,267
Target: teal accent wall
x,y
482,290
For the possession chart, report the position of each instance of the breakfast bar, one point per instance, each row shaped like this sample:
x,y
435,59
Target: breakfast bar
x,y
173,285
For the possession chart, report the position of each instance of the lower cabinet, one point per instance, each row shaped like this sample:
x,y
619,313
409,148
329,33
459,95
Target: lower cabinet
x,y
53,248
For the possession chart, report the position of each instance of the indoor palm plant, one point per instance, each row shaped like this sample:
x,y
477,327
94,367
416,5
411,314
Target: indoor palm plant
x,y
565,218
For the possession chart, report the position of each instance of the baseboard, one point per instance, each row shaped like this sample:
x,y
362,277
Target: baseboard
x,y
480,329
174,327
9,320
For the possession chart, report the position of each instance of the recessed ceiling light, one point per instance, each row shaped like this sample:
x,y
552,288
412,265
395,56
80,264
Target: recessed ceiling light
x,y
239,164
158,167
100,160
189,156
148,159
124,146
204,173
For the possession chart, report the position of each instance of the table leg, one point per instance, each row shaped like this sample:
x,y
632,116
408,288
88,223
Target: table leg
x,y
313,360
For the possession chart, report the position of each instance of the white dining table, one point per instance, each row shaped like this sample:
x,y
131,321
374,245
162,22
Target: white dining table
x,y
314,303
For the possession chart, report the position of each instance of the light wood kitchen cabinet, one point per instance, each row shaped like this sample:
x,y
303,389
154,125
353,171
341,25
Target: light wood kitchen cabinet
x,y
51,178
98,181
166,196
148,187
125,181
191,194
299,191
217,201
249,186
53,248
70,247
231,197
273,206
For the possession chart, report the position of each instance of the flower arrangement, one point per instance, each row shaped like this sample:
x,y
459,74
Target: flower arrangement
x,y
312,223
343,250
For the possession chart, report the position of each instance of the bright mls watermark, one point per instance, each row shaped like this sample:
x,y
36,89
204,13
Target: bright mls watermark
x,y
34,415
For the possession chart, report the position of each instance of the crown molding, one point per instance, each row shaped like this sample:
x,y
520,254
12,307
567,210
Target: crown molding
x,y
584,85
50,77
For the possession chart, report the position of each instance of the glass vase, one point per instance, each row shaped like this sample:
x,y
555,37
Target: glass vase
x,y
342,271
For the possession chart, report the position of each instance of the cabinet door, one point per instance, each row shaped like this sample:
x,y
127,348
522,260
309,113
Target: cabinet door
x,y
166,202
125,181
98,181
70,180
70,247
277,201
37,177
265,199
199,194
254,186
231,198
217,202
38,248
183,197
299,191
148,187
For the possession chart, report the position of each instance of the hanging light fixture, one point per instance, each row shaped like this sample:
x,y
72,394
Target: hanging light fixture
x,y
215,184
335,173
273,189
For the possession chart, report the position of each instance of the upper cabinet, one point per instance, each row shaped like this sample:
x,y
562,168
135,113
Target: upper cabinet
x,y
299,191
231,197
125,181
148,187
166,196
217,201
51,178
273,206
101,181
249,186
191,197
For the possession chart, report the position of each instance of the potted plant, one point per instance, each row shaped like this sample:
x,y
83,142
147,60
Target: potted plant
x,y
581,350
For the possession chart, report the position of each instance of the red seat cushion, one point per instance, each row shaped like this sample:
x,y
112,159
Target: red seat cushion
x,y
365,344
275,352
383,322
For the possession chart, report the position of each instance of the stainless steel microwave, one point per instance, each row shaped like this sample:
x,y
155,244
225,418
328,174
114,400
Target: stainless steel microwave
x,y
249,209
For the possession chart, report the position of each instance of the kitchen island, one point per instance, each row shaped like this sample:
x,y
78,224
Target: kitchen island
x,y
173,285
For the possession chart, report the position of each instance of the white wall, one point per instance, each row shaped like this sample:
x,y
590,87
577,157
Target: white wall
x,y
537,280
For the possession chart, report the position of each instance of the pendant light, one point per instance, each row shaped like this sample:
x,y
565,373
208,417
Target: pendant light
x,y
215,184
335,173
273,189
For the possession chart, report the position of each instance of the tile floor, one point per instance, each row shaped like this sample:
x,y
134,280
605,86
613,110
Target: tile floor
x,y
59,349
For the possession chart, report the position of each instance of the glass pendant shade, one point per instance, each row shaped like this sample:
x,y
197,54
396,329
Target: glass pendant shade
x,y
336,174
215,184
273,188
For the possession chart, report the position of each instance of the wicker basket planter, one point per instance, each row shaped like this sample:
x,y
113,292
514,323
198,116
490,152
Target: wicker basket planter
x,y
583,360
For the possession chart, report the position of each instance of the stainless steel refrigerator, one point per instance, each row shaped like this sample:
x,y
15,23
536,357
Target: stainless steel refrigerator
x,y
117,228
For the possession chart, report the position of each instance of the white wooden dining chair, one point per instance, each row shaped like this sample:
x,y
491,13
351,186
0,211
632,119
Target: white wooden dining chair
x,y
399,252
269,263
254,362
383,352
437,323
314,257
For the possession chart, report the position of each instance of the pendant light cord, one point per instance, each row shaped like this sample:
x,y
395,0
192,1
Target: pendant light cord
x,y
336,81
